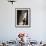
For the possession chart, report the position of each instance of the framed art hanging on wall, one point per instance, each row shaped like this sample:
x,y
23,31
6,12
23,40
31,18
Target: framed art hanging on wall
x,y
23,17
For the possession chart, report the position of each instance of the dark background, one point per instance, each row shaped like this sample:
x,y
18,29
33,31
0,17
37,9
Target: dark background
x,y
19,12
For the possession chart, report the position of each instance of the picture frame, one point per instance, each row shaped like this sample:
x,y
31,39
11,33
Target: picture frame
x,y
22,17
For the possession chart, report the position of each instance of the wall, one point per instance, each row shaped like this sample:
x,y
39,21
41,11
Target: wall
x,y
8,31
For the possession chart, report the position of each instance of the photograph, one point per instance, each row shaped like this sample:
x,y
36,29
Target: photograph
x,y
23,17
22,22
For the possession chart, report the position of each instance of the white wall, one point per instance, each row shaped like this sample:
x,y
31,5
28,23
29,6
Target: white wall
x,y
8,31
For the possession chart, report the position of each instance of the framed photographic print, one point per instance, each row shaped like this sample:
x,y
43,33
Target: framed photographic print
x,y
23,17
